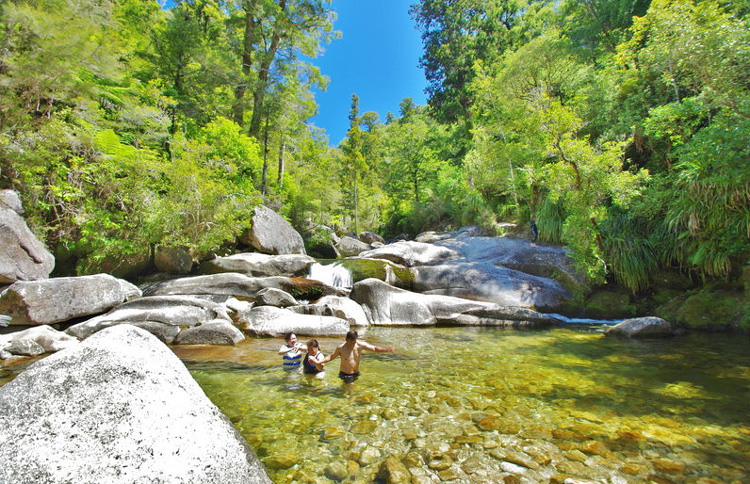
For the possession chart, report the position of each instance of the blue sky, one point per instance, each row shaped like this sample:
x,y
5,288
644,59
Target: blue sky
x,y
376,58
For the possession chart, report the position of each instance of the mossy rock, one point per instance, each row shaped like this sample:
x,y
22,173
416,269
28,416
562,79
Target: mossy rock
x,y
608,304
711,310
672,280
362,269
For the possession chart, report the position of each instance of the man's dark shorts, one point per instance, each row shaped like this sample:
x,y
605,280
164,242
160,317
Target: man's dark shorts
x,y
348,377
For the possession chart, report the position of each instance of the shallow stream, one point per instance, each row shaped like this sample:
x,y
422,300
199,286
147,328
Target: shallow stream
x,y
482,405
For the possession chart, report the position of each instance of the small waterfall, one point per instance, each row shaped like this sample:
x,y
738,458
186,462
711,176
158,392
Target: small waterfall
x,y
332,274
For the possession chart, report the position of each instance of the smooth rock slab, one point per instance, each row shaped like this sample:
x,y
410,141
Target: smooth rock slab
x,y
239,286
409,253
47,337
61,299
488,282
642,328
160,315
255,264
216,332
119,408
271,321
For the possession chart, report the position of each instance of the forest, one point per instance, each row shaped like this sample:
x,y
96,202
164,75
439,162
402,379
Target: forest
x,y
623,126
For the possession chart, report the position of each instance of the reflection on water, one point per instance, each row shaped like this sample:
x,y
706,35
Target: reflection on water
x,y
477,405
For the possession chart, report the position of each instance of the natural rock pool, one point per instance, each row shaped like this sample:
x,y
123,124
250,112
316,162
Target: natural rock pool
x,y
479,405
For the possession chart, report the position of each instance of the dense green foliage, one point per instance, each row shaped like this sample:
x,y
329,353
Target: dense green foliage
x,y
624,126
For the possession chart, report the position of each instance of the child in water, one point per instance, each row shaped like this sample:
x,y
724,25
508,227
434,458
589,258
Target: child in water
x,y
292,352
310,365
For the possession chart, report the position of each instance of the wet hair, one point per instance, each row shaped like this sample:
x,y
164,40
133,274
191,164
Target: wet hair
x,y
352,335
288,336
313,343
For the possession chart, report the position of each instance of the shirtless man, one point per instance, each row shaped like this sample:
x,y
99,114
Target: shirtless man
x,y
350,352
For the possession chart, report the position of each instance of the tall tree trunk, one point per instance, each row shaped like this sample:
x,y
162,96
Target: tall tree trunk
x,y
265,70
356,202
282,154
238,110
265,161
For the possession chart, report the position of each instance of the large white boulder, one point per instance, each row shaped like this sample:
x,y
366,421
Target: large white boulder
x,y
390,306
260,265
410,253
119,408
162,316
61,299
271,234
271,321
489,282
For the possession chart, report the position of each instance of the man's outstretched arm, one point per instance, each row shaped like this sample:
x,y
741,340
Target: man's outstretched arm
x,y
376,349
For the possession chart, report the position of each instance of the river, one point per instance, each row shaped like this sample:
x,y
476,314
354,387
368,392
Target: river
x,y
478,405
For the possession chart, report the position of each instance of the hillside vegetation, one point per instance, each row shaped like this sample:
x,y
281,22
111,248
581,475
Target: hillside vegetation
x,y
624,126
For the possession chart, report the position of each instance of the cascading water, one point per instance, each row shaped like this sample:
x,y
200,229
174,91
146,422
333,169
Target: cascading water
x,y
332,274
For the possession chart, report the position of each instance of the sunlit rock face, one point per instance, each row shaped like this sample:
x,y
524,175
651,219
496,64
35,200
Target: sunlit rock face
x,y
488,282
271,234
259,265
61,299
410,253
22,256
118,408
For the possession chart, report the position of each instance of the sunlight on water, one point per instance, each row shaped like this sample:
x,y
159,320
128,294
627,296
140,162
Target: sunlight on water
x,y
469,405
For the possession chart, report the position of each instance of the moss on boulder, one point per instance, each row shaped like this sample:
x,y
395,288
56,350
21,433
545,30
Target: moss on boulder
x,y
609,304
714,308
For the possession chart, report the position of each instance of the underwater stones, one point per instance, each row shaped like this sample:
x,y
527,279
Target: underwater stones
x,y
336,471
439,461
369,456
668,466
363,426
280,460
450,474
575,456
642,328
518,458
393,471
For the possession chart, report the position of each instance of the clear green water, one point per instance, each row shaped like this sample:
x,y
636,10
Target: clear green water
x,y
481,405
478,405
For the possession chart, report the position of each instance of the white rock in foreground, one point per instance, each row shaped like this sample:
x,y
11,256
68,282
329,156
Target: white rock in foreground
x,y
118,408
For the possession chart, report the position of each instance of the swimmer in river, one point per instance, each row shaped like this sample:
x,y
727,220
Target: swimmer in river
x,y
292,352
350,352
311,366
